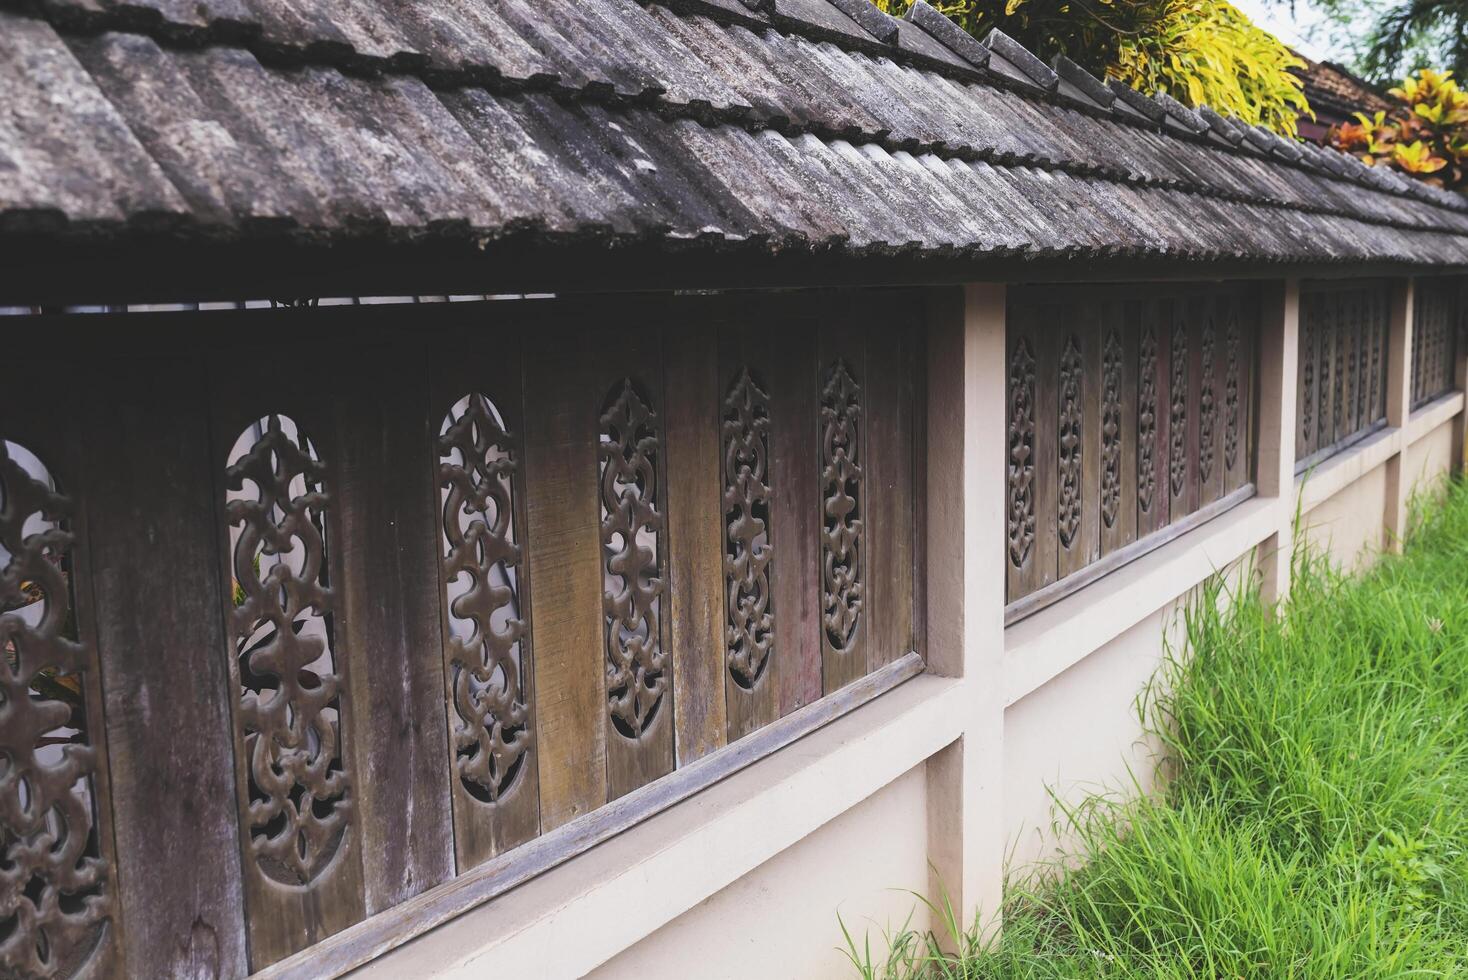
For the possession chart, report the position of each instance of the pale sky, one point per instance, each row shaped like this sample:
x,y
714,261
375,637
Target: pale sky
x,y
1275,18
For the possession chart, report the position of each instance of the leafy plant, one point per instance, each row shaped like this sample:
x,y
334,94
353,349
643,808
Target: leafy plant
x,y
1201,52
1426,136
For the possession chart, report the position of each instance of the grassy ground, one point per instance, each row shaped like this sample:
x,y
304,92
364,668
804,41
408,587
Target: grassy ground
x,y
1316,820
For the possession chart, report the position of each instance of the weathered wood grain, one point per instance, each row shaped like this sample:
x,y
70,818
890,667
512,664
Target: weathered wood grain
x,y
565,563
694,388
843,349
890,530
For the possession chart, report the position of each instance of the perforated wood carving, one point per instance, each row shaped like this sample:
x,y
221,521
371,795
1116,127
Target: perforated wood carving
x,y
1178,413
1337,401
1232,421
631,528
1068,516
1021,504
841,482
1147,420
482,564
289,688
1111,359
55,898
750,630
1207,408
1322,386
1307,383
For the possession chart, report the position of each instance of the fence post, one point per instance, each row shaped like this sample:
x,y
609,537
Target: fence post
x,y
1279,353
965,608
1399,408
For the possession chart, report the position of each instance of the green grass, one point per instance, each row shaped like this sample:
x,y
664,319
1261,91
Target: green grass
x,y
1315,820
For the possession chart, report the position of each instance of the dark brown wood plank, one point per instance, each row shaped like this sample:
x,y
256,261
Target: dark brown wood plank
x,y
1237,367
332,896
1121,321
1305,394
627,379
696,590
564,551
1212,430
1182,430
843,425
743,389
46,421
493,810
890,460
1153,398
788,362
390,600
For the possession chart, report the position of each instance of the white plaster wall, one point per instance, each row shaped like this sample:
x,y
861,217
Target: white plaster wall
x,y
1429,459
780,920
1077,735
1350,524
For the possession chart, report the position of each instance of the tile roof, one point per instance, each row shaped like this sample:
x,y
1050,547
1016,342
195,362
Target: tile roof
x,y
792,124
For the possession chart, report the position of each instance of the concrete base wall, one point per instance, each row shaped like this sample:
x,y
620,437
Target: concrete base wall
x,y
780,920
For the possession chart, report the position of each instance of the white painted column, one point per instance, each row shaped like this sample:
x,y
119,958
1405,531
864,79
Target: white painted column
x,y
965,582
1460,379
1279,354
1398,408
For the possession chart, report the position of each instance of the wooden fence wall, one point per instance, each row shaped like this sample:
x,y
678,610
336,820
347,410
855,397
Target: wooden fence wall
x,y
1130,418
1341,384
309,611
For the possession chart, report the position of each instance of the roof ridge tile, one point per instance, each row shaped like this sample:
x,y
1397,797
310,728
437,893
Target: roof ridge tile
x,y
1180,114
947,33
1130,98
1087,85
879,24
1031,69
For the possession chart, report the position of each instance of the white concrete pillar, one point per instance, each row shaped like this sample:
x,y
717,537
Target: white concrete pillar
x,y
1398,409
1460,378
965,581
1279,354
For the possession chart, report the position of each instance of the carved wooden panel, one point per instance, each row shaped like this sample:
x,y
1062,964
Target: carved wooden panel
x,y
57,890
1178,463
1434,339
842,508
1341,373
1151,497
300,805
1020,497
1112,359
1072,387
1145,395
487,644
631,529
749,635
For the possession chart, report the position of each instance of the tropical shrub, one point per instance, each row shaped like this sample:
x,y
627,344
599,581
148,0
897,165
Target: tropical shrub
x,y
1201,52
1425,136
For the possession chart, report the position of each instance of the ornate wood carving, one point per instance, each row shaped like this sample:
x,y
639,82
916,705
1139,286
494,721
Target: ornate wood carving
x,y
841,482
299,790
55,895
1147,420
482,563
1322,385
1307,379
1377,330
1178,417
1232,419
750,630
1338,398
1207,409
1111,368
1360,327
1072,368
1021,502
631,526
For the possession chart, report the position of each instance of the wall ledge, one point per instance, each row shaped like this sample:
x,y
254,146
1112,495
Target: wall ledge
x,y
1046,644
622,890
